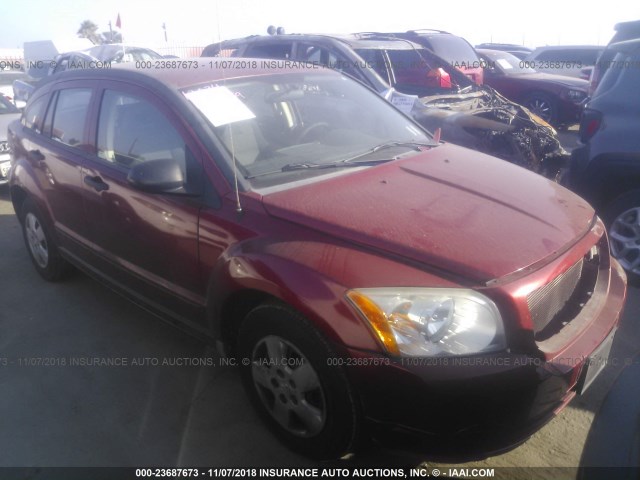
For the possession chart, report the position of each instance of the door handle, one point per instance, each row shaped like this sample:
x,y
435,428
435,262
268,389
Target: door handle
x,y
96,183
37,156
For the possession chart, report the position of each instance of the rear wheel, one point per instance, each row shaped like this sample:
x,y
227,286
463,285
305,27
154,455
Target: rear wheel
x,y
306,402
41,245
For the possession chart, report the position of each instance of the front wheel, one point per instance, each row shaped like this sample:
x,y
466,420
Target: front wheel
x,y
622,217
543,106
307,403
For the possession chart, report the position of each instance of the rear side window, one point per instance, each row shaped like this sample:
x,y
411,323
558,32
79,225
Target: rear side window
x,y
32,116
131,130
280,51
70,116
584,56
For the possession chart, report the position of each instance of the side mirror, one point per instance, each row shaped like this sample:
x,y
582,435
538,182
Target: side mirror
x,y
157,176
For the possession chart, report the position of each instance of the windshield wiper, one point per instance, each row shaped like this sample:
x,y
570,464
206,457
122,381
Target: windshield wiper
x,y
340,164
353,161
415,145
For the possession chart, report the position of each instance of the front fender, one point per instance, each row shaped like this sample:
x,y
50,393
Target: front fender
x,y
259,277
310,273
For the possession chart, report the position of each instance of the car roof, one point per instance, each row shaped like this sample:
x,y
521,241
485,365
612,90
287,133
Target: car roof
x,y
488,51
511,46
429,31
380,41
569,47
208,70
627,25
372,40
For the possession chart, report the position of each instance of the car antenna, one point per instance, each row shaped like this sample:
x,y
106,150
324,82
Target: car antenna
x,y
233,149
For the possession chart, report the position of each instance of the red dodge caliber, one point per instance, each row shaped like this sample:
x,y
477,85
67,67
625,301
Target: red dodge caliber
x,y
367,277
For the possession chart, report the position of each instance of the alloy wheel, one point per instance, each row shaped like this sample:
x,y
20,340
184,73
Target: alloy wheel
x,y
624,235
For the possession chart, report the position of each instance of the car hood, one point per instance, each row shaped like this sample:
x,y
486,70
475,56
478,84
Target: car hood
x,y
557,79
450,208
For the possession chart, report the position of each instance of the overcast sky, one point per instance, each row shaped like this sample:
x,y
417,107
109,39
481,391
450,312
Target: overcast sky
x,y
199,22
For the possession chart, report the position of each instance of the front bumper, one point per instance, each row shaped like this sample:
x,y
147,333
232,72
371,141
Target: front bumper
x,y
5,165
481,405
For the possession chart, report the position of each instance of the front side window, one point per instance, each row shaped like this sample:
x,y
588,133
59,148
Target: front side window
x,y
70,116
131,130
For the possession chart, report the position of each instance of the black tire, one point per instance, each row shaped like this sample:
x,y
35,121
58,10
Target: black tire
x,y
319,419
41,244
542,105
622,217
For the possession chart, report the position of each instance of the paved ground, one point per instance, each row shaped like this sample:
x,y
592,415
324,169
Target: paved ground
x,y
56,414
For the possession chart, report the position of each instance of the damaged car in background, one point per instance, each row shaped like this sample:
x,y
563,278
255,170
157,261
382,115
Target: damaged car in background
x,y
423,86
98,56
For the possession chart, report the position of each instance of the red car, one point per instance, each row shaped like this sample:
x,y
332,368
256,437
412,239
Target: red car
x,y
557,99
361,273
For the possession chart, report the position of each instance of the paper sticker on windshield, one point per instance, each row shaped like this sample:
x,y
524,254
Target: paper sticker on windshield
x,y
219,105
504,64
403,103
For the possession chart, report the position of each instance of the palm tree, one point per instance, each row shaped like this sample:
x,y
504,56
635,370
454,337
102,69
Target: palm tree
x,y
89,30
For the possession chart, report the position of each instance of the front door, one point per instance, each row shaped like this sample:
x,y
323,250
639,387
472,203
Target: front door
x,y
146,242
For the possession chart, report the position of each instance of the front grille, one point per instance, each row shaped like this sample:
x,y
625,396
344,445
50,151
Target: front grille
x,y
546,302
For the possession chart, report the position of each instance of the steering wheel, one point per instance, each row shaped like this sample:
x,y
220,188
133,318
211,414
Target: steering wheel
x,y
307,130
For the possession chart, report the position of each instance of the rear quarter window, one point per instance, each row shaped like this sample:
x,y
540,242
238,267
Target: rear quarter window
x,y
32,116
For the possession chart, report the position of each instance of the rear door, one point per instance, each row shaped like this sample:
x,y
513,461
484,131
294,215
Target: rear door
x,y
145,242
56,144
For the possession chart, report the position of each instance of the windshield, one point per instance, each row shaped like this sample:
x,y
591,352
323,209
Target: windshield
x,y
506,63
281,128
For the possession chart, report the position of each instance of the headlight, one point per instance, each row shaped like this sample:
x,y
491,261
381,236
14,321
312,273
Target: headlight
x,y
576,95
424,322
